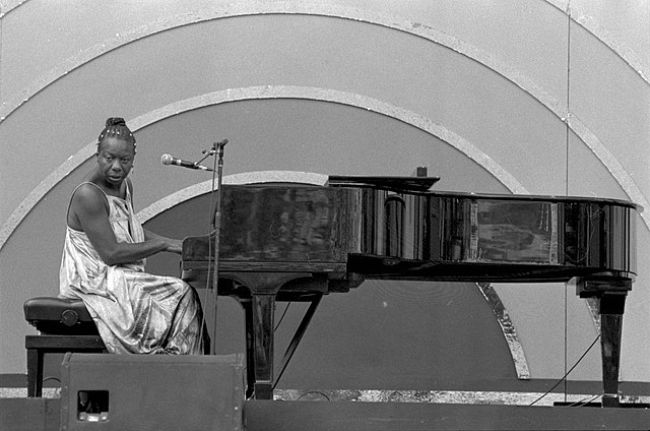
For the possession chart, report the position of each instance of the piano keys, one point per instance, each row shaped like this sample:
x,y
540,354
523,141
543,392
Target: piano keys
x,y
299,242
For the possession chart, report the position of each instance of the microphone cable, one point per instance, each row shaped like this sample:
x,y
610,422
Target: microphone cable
x,y
563,378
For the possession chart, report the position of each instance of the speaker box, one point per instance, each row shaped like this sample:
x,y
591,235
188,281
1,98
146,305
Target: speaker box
x,y
158,392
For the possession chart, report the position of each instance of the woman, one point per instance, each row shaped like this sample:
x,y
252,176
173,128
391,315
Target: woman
x,y
103,261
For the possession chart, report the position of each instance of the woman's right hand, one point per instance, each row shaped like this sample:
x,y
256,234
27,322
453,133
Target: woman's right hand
x,y
174,246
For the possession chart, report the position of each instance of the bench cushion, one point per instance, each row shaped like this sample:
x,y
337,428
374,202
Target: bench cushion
x,y
51,315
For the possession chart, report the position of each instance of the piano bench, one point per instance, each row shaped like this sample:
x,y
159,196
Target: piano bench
x,y
64,326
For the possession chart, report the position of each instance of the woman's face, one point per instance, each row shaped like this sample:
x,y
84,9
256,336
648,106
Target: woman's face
x,y
115,159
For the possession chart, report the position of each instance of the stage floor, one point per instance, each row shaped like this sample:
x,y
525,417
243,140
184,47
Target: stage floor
x,y
376,410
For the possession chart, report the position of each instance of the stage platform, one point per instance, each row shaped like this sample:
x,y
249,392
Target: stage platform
x,y
42,414
377,410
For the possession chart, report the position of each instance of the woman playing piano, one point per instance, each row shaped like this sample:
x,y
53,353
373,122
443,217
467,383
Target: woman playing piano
x,y
103,261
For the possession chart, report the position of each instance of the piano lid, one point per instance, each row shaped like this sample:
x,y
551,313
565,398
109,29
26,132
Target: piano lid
x,y
405,184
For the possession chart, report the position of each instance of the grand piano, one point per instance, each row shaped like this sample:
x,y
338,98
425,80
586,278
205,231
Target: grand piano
x,y
299,242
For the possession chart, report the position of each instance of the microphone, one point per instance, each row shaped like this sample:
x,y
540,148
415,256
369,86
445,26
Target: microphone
x,y
168,159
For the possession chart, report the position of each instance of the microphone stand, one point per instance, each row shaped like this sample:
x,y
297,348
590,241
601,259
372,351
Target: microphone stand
x,y
217,148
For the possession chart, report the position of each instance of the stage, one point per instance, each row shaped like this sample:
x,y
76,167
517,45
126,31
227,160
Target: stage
x,y
38,414
507,406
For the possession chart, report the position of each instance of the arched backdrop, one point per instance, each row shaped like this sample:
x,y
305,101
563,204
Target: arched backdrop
x,y
536,97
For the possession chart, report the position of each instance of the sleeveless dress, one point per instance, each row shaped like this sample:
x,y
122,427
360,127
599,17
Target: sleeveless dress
x,y
135,312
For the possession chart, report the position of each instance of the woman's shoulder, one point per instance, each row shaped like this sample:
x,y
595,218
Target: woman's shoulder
x,y
88,193
88,200
88,188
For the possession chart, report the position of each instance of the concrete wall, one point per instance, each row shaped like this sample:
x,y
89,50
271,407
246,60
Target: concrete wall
x,y
539,97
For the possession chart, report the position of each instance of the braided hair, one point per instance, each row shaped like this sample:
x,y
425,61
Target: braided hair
x,y
116,127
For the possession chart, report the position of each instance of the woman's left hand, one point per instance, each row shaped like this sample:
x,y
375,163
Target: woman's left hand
x,y
175,246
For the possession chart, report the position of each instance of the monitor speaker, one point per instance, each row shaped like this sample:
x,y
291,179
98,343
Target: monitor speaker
x,y
152,392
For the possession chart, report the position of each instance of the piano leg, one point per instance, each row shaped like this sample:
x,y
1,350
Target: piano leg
x,y
250,351
611,327
611,293
262,311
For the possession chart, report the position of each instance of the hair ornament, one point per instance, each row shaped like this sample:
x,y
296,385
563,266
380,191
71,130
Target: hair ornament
x,y
116,126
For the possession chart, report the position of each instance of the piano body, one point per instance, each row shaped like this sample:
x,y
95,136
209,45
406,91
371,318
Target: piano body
x,y
300,242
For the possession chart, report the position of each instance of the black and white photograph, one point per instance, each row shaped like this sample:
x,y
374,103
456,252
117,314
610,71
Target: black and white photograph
x,y
324,215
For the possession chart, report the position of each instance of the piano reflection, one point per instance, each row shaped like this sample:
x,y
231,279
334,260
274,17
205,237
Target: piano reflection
x,y
300,242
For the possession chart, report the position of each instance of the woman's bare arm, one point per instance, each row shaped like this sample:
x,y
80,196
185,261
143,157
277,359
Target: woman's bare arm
x,y
89,207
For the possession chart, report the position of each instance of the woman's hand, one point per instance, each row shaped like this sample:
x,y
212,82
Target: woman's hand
x,y
174,246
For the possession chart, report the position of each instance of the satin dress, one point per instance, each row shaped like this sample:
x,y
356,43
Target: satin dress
x,y
135,312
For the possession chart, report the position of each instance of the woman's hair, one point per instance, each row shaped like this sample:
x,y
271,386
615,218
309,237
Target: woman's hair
x,y
116,127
